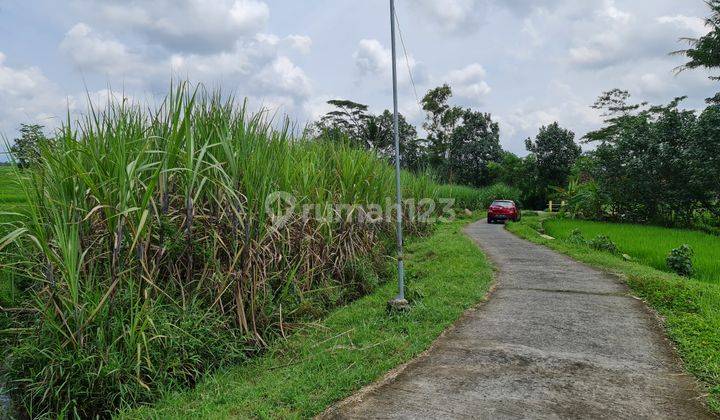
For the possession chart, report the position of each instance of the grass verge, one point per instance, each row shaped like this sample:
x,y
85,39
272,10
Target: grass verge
x,y
690,308
355,345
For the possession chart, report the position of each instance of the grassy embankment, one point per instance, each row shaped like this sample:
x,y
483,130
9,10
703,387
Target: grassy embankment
x,y
690,307
355,345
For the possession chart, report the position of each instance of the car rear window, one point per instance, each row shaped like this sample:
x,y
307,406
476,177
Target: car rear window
x,y
506,204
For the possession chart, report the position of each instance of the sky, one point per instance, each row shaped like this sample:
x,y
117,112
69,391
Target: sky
x,y
527,62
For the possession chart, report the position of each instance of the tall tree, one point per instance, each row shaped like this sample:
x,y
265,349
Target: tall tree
x,y
349,119
352,121
26,148
705,51
441,120
556,152
474,145
656,164
412,149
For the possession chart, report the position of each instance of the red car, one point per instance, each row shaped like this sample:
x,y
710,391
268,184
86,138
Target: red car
x,y
503,210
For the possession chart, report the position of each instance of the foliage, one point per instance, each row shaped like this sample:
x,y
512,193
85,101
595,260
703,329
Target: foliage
x,y
679,260
583,200
704,52
473,146
655,164
26,149
576,237
300,377
150,257
351,121
555,152
462,143
604,243
508,170
441,120
462,146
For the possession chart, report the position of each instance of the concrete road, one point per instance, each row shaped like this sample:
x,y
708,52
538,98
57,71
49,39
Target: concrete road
x,y
557,339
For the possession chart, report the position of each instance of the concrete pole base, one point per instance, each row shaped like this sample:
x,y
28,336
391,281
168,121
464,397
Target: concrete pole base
x,y
398,305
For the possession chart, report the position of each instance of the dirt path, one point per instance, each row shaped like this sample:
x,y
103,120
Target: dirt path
x,y
557,339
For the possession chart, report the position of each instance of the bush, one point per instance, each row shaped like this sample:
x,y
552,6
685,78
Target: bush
x,y
603,243
679,260
152,257
576,238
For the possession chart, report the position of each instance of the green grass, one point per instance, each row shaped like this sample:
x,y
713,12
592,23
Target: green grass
x,y
12,200
690,308
10,191
649,244
354,346
477,198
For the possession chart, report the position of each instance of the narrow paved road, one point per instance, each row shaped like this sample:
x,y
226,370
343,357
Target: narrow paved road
x,y
557,339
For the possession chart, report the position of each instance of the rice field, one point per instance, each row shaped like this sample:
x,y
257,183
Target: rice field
x,y
649,244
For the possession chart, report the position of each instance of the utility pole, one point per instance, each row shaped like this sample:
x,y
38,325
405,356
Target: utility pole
x,y
399,302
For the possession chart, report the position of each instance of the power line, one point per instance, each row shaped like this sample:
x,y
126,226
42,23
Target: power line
x,y
407,60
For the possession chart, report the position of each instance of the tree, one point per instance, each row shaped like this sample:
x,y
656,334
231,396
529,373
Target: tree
x,y
474,145
705,51
651,163
508,170
441,120
410,148
703,157
352,121
26,148
555,151
520,173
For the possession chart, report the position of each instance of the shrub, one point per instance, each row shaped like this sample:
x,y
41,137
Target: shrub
x,y
576,238
679,260
151,255
603,243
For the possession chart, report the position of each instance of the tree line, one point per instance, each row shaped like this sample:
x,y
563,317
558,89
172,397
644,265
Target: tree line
x,y
648,163
655,163
461,146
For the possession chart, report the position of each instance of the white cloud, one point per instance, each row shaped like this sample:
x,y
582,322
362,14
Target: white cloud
x,y
283,76
92,52
257,65
27,96
694,24
453,15
612,36
186,25
651,83
586,55
301,43
469,82
374,60
611,12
